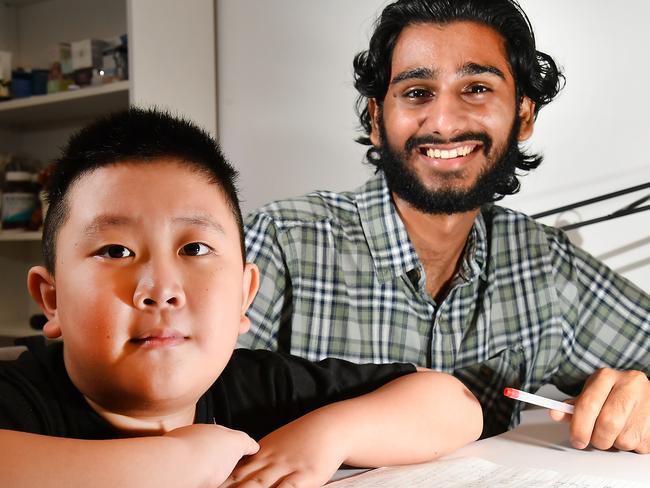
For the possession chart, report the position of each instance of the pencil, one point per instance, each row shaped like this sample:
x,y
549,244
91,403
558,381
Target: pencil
x,y
538,400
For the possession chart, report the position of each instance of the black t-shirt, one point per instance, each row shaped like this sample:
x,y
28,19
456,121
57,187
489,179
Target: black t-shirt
x,y
257,392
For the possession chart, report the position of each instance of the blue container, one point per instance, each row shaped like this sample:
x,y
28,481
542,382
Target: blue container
x,y
39,81
21,84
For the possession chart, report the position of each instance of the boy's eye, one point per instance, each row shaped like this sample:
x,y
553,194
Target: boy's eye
x,y
195,249
115,251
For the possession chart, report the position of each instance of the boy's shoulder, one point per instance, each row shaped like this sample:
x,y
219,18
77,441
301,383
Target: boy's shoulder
x,y
36,395
38,366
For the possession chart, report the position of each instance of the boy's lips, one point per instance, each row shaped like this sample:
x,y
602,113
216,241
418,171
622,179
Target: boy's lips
x,y
159,338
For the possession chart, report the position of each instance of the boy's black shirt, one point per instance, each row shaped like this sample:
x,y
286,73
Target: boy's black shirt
x,y
257,392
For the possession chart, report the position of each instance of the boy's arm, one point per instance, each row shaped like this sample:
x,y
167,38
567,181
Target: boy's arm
x,y
413,419
197,455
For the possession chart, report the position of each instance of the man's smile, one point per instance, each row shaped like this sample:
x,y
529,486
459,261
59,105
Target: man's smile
x,y
447,152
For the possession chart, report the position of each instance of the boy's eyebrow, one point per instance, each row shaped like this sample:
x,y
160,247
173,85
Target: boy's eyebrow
x,y
102,222
201,221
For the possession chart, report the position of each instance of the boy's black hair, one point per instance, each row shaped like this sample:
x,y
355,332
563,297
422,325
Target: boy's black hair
x,y
137,136
536,74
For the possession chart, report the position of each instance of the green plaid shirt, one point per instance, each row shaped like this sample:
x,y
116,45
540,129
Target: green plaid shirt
x,y
340,278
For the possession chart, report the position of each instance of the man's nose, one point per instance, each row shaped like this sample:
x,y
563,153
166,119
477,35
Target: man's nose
x,y
159,287
446,116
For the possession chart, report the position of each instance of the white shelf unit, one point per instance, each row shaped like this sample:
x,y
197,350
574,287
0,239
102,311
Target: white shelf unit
x,y
55,108
20,235
172,64
38,126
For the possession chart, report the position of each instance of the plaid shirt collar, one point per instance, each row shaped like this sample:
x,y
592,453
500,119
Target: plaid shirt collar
x,y
389,243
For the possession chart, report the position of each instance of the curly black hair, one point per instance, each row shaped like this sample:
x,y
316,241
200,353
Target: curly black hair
x,y
536,74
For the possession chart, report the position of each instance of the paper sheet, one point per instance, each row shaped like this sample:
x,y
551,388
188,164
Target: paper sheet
x,y
473,473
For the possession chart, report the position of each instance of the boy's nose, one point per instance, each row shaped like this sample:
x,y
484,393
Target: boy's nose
x,y
159,288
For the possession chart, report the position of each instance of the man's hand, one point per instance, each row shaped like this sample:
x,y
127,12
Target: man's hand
x,y
302,454
213,450
613,410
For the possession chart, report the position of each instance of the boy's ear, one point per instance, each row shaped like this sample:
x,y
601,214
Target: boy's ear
x,y
374,112
250,283
526,118
43,291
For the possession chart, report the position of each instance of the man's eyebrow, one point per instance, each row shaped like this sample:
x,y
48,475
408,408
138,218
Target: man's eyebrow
x,y
479,69
104,221
200,221
421,73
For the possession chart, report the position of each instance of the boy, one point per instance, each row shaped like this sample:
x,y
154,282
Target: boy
x,y
145,281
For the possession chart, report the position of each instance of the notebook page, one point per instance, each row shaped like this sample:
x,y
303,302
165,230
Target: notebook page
x,y
473,473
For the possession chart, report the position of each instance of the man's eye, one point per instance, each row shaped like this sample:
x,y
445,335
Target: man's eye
x,y
115,251
478,89
195,249
416,93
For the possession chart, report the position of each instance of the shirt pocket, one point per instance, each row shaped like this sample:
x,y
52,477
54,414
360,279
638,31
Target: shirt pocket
x,y
487,379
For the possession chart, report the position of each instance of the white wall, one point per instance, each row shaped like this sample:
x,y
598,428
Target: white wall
x,y
285,108
8,37
172,57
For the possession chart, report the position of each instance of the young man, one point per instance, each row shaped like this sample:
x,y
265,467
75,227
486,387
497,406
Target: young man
x,y
145,282
419,265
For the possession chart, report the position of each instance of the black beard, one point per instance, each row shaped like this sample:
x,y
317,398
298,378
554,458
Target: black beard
x,y
494,181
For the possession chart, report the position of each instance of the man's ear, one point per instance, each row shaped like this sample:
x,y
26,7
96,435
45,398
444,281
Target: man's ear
x,y
250,284
374,111
40,284
526,118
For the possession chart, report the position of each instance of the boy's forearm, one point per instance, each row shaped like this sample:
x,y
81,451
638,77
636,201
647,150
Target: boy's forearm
x,y
413,419
35,460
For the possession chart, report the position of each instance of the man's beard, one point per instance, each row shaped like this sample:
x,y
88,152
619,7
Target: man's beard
x,y
494,181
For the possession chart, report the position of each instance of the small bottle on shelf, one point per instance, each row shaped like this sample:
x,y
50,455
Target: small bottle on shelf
x,y
18,197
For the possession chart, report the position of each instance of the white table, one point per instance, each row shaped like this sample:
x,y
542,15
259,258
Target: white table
x,y
539,442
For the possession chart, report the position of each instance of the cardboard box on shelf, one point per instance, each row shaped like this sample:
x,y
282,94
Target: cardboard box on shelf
x,y
87,53
5,74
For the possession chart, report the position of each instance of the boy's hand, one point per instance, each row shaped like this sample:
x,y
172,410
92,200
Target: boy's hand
x,y
613,410
305,453
213,450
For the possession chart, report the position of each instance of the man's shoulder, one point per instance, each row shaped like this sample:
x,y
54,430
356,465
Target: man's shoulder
x,y
502,221
337,208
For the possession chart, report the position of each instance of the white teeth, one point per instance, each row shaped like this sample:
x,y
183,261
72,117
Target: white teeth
x,y
449,153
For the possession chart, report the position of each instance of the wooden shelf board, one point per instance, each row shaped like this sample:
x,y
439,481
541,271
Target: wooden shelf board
x,y
16,329
20,235
21,3
54,108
